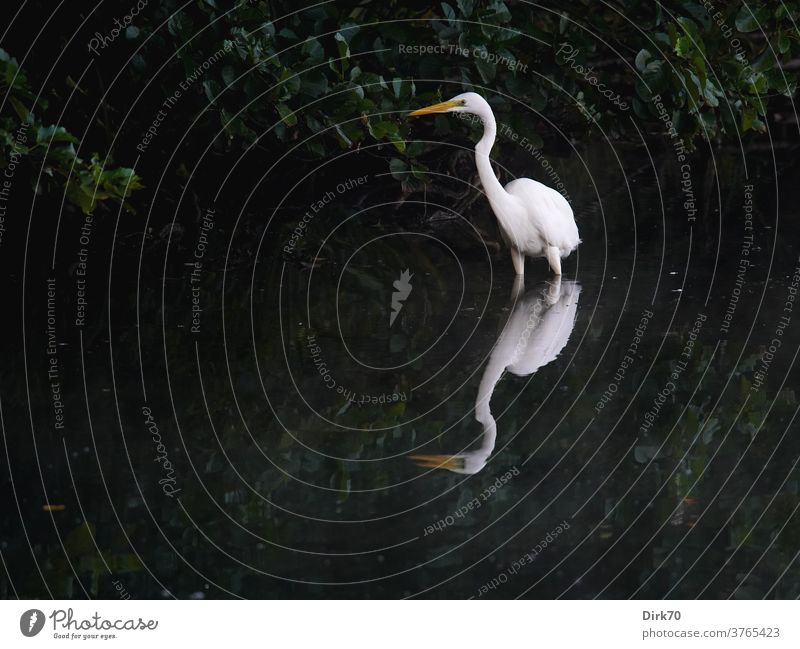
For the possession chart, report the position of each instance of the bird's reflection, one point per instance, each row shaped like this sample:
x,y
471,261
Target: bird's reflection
x,y
536,332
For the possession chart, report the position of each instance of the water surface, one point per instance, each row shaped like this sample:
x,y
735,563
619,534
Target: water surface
x,y
608,435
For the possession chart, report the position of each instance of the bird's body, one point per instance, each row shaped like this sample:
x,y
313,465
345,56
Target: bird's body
x,y
535,220
546,222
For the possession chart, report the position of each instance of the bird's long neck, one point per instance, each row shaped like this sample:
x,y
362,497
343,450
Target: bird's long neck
x,y
491,185
491,375
503,204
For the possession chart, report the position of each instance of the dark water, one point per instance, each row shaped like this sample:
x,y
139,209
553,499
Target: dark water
x,y
614,434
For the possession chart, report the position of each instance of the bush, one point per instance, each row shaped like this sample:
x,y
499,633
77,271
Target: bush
x,y
343,75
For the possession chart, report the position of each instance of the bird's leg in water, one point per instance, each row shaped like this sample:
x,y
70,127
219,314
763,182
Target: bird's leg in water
x,y
516,288
553,291
518,259
554,259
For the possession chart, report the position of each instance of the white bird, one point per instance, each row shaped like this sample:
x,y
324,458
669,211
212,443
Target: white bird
x,y
534,335
535,220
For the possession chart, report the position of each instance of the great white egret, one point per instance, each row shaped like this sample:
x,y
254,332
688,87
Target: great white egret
x,y
534,335
535,220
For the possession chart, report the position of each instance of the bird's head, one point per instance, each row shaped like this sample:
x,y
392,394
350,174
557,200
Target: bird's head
x,y
467,463
467,102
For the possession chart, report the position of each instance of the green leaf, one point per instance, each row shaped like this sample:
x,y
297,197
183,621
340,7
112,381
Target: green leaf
x,y
121,181
692,41
287,116
748,117
398,168
63,155
683,47
312,51
23,113
710,121
764,61
672,31
379,130
642,59
418,170
180,25
403,88
81,195
563,23
344,51
314,84
44,134
710,96
501,12
228,74
748,20
466,7
448,12
486,69
689,27
208,90
344,140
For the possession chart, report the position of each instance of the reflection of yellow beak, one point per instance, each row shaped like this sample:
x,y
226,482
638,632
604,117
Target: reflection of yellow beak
x,y
449,462
436,108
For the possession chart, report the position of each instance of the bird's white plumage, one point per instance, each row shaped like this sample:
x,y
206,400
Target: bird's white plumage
x,y
549,321
535,220
550,220
534,335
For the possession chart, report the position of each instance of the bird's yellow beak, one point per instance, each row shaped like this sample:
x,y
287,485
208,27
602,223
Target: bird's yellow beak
x,y
435,108
449,462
